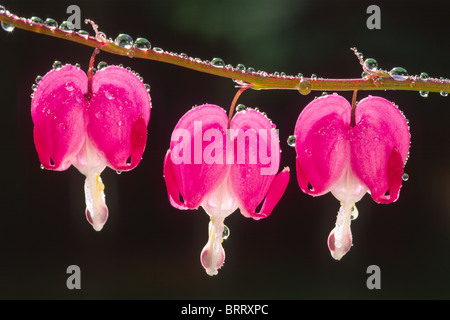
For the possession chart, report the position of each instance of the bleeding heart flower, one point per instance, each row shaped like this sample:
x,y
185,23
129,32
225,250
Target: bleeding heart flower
x,y
350,153
236,168
91,125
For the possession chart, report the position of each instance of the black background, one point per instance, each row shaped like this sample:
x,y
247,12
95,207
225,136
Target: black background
x,y
150,250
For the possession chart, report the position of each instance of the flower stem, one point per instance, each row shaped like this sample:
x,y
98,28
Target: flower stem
x,y
379,80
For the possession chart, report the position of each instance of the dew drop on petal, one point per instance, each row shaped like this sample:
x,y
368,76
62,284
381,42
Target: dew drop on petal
x,y
123,40
57,65
240,107
405,177
226,232
102,65
147,87
38,79
291,141
7,27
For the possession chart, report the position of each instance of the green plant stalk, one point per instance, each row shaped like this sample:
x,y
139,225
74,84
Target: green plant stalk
x,y
378,80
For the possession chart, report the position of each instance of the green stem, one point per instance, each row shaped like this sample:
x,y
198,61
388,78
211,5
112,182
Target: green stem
x,y
378,80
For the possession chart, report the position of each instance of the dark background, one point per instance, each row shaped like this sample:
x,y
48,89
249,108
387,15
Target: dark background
x,y
150,250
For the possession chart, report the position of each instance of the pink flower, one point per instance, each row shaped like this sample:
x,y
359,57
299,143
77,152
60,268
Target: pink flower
x,y
224,169
349,159
106,126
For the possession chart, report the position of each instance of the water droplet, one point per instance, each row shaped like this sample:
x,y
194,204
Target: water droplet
x,y
123,40
109,95
398,73
42,167
37,20
147,87
300,75
424,76
7,27
304,87
131,53
118,172
67,26
240,107
225,233
51,23
424,94
34,87
69,86
38,79
102,65
444,93
354,213
405,177
57,65
217,62
291,141
142,44
2,9
240,67
251,70
371,64
158,50
314,76
83,33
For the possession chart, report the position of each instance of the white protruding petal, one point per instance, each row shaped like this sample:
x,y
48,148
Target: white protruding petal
x,y
213,254
96,209
340,238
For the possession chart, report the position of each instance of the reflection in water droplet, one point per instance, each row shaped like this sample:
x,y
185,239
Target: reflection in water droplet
x,y
57,65
51,23
291,141
147,87
424,76
83,33
405,177
217,62
398,73
123,40
371,64
142,44
36,20
226,232
67,26
424,93
38,79
240,67
314,76
444,93
158,50
240,107
7,27
102,65
304,87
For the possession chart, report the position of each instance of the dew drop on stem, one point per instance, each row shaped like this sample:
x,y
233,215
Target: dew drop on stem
x,y
7,27
36,20
67,26
51,23
217,62
142,44
371,64
124,41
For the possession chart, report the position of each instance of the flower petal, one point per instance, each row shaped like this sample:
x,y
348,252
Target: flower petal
x,y
379,147
256,162
194,170
321,143
119,112
57,110
171,184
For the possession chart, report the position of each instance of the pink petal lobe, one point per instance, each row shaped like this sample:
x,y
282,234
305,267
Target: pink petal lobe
x,y
197,153
256,162
57,110
171,184
379,147
323,151
119,112
274,194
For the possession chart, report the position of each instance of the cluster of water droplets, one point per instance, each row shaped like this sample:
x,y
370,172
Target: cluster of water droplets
x,y
125,41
